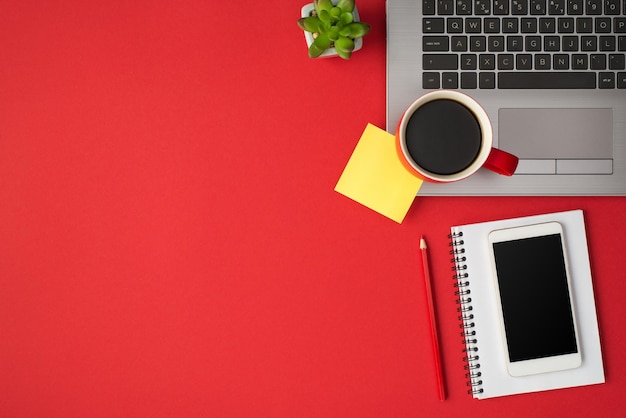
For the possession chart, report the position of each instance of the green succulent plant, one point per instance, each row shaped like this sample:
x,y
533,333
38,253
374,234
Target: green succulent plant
x,y
333,25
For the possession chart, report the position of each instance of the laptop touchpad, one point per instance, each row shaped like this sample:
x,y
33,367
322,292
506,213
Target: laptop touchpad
x,y
577,134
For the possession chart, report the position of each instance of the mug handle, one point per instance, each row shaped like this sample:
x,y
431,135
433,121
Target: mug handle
x,y
501,162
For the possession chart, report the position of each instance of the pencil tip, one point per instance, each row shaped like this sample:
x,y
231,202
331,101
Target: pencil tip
x,y
422,243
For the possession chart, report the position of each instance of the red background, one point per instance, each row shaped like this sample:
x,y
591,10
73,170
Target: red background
x,y
171,244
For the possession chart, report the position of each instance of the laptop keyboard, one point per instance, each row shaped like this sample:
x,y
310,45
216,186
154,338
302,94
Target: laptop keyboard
x,y
524,44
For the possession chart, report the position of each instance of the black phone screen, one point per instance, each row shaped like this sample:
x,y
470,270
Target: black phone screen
x,y
536,306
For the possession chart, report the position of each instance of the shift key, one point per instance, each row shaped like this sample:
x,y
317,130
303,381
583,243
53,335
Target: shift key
x,y
440,62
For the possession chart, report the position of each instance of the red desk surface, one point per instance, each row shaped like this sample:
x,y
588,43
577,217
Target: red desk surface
x,y
171,244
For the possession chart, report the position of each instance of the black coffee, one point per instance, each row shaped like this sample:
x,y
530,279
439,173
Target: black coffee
x,y
443,137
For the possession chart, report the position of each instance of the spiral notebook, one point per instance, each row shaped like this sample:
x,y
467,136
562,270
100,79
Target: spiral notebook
x,y
481,331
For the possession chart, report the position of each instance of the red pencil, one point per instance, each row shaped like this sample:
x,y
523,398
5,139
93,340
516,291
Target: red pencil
x,y
433,324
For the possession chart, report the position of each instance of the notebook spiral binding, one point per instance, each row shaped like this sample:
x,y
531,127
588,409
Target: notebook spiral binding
x,y
470,340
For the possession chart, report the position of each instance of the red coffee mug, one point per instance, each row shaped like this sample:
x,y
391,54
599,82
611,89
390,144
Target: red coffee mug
x,y
487,156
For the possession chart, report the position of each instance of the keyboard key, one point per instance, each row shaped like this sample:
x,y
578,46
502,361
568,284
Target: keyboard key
x,y
543,61
510,25
428,7
566,25
491,25
619,24
469,81
440,62
473,25
556,7
495,43
482,7
560,62
469,62
621,80
524,62
551,43
603,24
537,7
450,81
593,7
533,43
529,25
430,80
546,80
617,62
584,25
575,7
454,25
580,61
547,25
487,62
589,43
505,61
611,7
519,7
464,7
433,25
514,43
607,43
478,43
435,43
487,80
500,7
445,7
597,62
606,80
459,44
570,43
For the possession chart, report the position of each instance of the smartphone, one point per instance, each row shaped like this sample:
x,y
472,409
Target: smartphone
x,y
535,303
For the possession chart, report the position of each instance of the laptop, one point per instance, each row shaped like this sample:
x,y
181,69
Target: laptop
x,y
551,75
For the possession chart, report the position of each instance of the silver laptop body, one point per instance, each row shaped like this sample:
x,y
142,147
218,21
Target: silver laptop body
x,y
571,140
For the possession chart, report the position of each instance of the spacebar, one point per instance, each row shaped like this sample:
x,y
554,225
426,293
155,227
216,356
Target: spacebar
x,y
552,80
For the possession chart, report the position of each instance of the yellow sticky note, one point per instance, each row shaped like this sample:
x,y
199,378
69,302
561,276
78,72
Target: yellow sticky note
x,y
376,178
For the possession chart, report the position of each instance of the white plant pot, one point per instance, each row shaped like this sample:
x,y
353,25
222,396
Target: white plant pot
x,y
330,52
